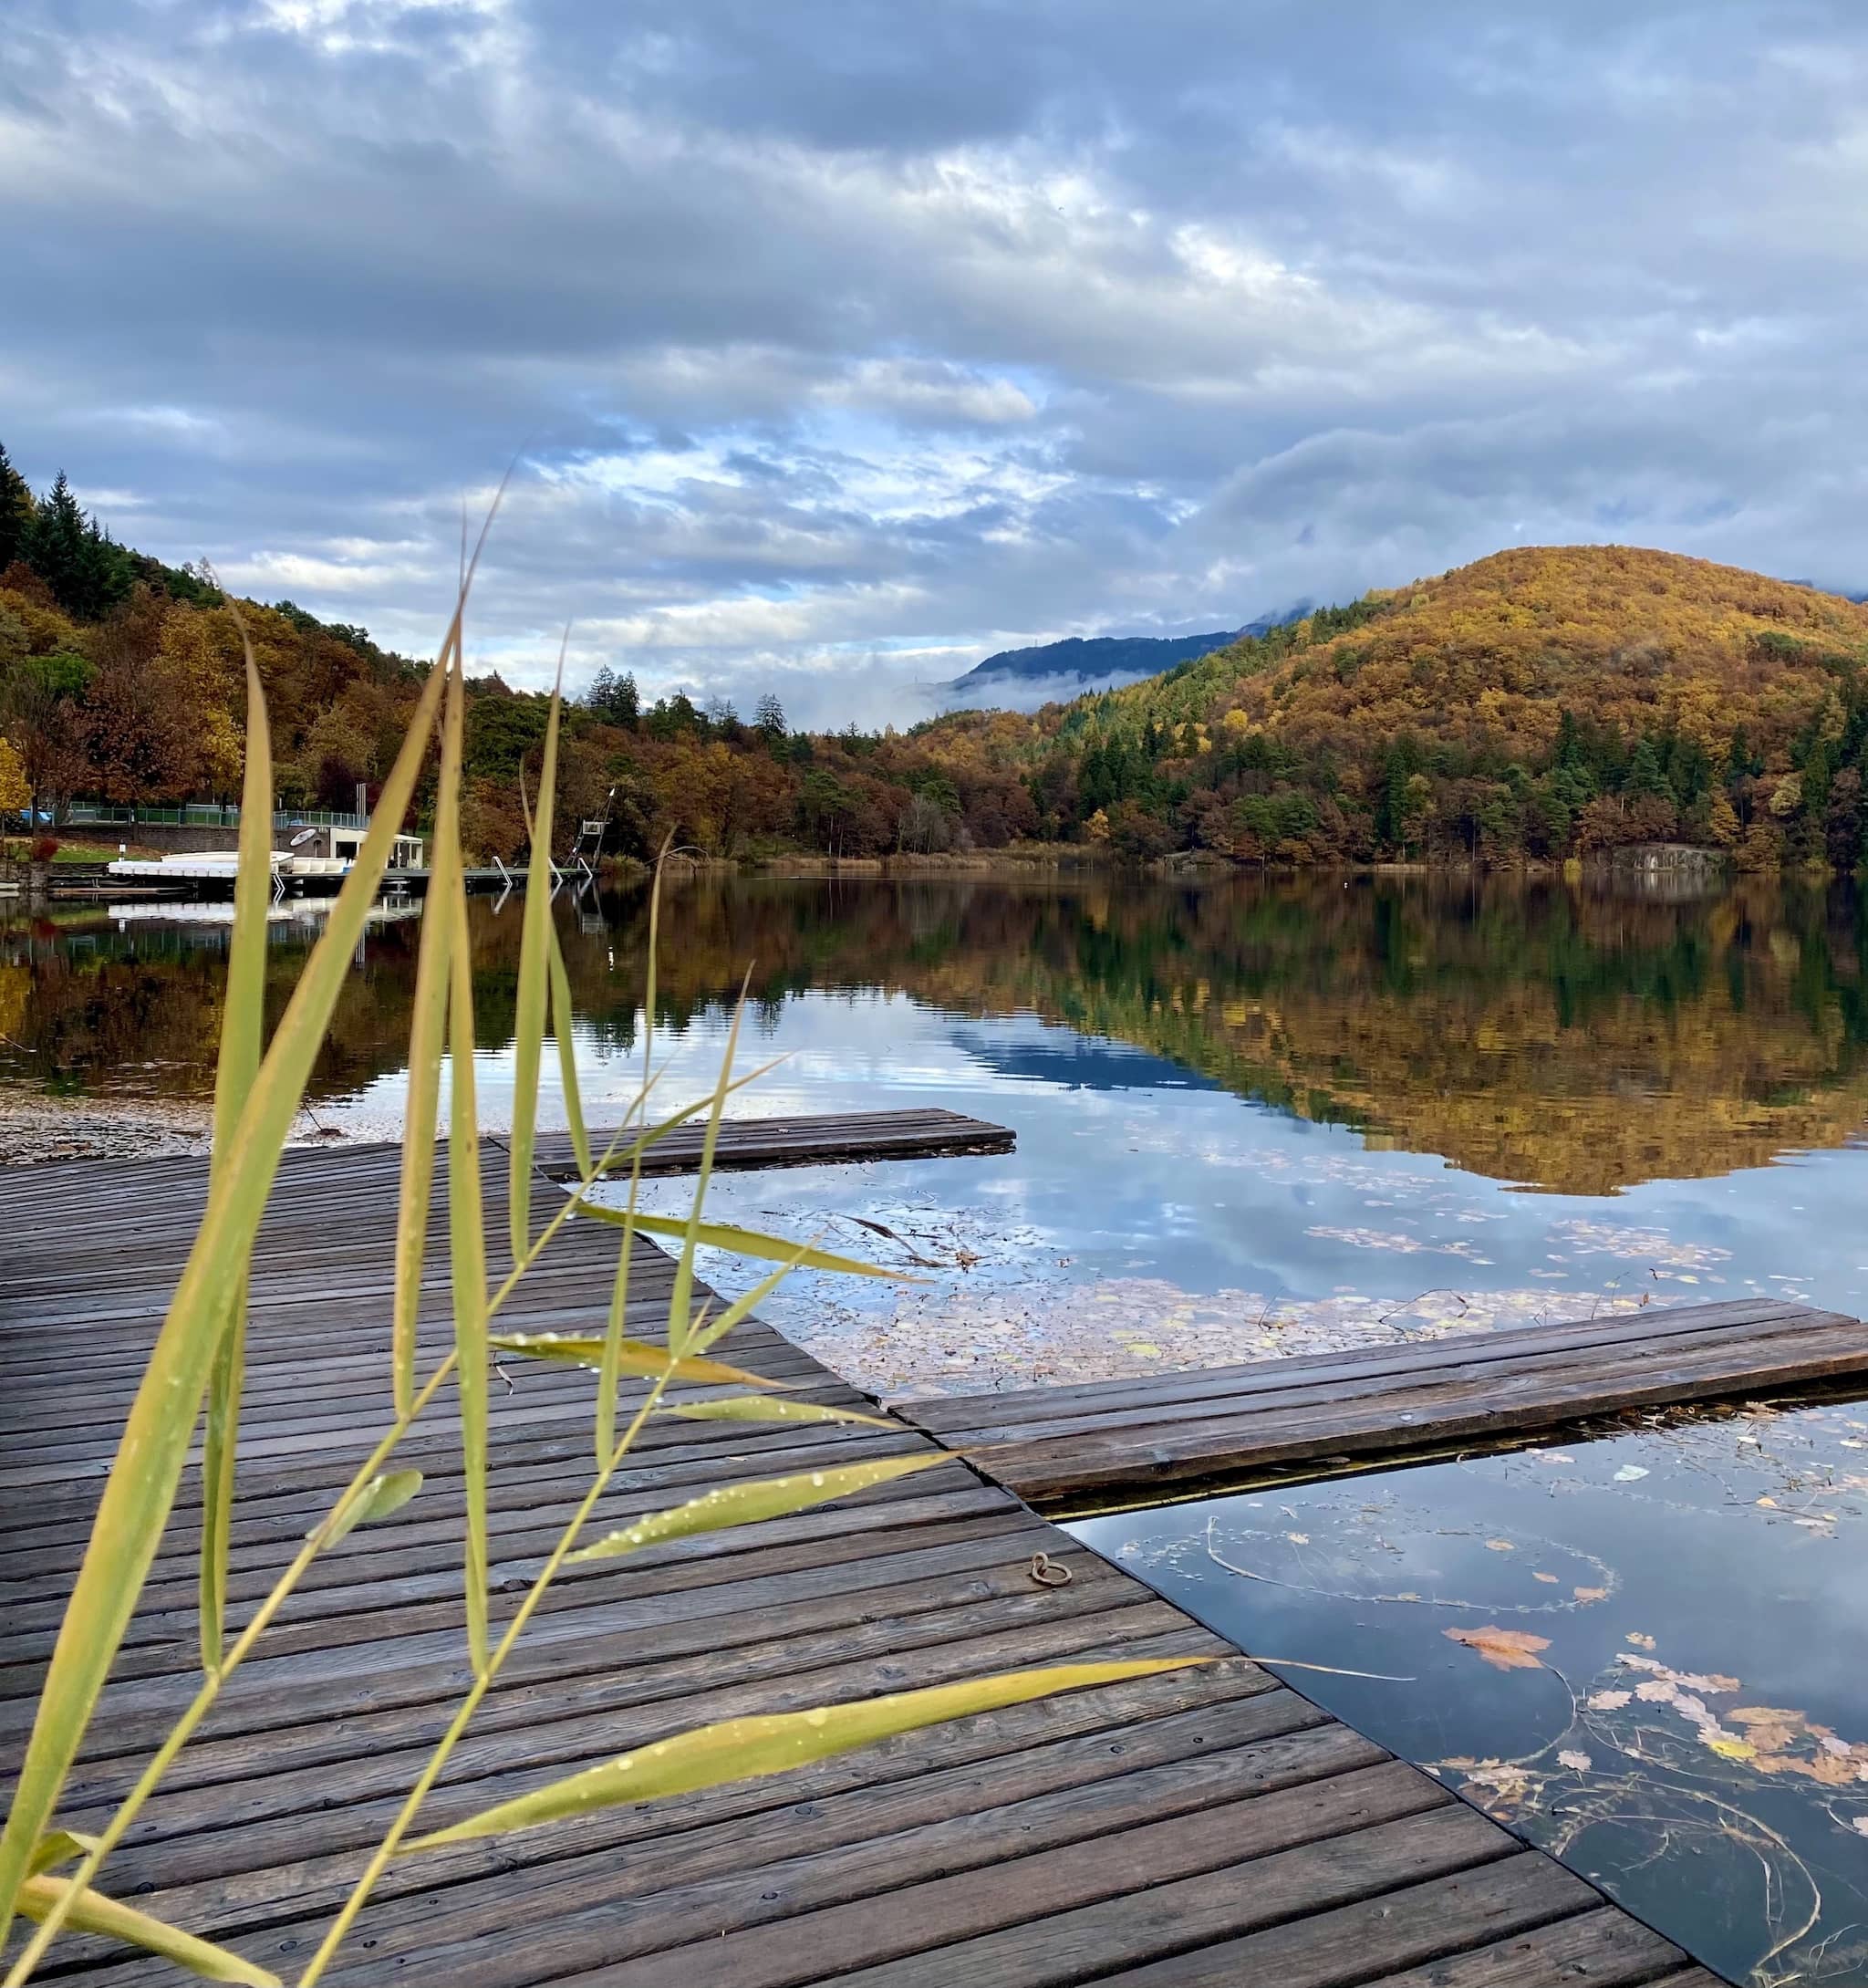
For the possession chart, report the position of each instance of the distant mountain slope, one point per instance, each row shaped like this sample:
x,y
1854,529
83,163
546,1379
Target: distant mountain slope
x,y
1547,702
1023,678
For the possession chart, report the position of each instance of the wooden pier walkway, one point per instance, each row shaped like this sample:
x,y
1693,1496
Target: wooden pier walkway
x,y
1203,1827
1119,1440
829,1141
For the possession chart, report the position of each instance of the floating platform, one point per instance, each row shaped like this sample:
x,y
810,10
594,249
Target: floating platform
x,y
1123,1441
830,1140
1204,1829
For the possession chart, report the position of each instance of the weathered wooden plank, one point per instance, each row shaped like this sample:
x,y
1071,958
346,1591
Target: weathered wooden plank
x,y
976,1414
1599,1948
801,1141
1064,1917
1280,1426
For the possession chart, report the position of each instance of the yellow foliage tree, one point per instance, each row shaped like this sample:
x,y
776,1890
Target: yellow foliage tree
x,y
15,792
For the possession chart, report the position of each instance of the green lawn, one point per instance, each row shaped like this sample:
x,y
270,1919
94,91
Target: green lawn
x,y
76,852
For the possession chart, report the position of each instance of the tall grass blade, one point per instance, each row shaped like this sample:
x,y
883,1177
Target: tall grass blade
x,y
680,1304
91,1912
529,1016
568,1053
242,1032
140,1487
635,1357
743,1749
741,1242
766,1407
466,1234
747,1504
383,1496
426,1041
606,1430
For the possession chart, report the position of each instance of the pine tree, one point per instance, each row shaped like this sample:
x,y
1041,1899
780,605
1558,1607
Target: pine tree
x,y
770,716
15,511
56,548
87,571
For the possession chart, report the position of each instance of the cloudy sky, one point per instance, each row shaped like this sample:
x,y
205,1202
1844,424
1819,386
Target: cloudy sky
x,y
843,341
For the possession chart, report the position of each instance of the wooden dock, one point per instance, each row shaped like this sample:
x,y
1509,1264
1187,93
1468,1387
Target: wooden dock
x,y
1208,1827
829,1141
1117,1441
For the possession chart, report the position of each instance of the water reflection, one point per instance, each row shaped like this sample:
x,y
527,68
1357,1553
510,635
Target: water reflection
x,y
1638,1653
1575,1038
1235,1103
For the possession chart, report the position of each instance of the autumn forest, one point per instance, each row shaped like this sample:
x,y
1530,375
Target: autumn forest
x,y
1541,704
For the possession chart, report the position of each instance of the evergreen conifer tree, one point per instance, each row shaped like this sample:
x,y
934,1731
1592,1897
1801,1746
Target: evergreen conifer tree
x,y
15,511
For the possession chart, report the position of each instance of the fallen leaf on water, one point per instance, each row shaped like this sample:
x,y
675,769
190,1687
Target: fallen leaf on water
x,y
1763,1715
1734,1749
1861,1826
1575,1760
1500,1546
1638,1640
1769,1503
1630,1474
1609,1701
1504,1649
1549,1579
1590,1594
1141,1349
1298,1539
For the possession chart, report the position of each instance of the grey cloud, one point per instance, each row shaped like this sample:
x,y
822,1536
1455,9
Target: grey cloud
x,y
849,341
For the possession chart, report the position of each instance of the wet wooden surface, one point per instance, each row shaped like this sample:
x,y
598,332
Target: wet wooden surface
x,y
1067,1447
1210,1826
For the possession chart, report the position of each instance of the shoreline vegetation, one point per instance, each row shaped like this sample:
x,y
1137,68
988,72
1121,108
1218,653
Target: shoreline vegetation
x,y
1541,706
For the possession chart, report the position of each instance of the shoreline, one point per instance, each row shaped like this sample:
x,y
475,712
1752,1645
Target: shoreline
x,y
41,1128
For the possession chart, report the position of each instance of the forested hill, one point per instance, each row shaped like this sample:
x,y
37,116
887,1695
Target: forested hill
x,y
1544,702
1541,703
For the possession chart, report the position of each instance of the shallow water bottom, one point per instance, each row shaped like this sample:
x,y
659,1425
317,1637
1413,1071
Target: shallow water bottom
x,y
1640,1652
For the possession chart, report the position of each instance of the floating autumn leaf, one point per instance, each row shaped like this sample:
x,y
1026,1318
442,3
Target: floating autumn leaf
x,y
1590,1594
1504,1649
1500,1546
1638,1640
1609,1701
1550,1580
1575,1760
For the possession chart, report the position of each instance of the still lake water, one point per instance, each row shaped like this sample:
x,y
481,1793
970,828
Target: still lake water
x,y
1252,1117
1264,1116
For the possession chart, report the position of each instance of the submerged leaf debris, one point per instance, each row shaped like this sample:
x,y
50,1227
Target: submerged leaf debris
x,y
1649,1670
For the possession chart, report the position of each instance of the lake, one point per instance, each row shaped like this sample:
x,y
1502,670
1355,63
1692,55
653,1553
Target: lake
x,y
1253,1115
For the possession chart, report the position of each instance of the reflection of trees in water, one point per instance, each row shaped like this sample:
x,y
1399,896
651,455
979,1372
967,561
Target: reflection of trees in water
x,y
1578,1037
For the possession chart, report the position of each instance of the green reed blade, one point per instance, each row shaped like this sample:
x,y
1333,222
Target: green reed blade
x,y
743,1749
140,1487
528,1016
467,1238
382,1496
427,1044
605,1428
635,1357
91,1912
243,1028
765,1408
747,1504
680,1303
743,1243
567,1052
